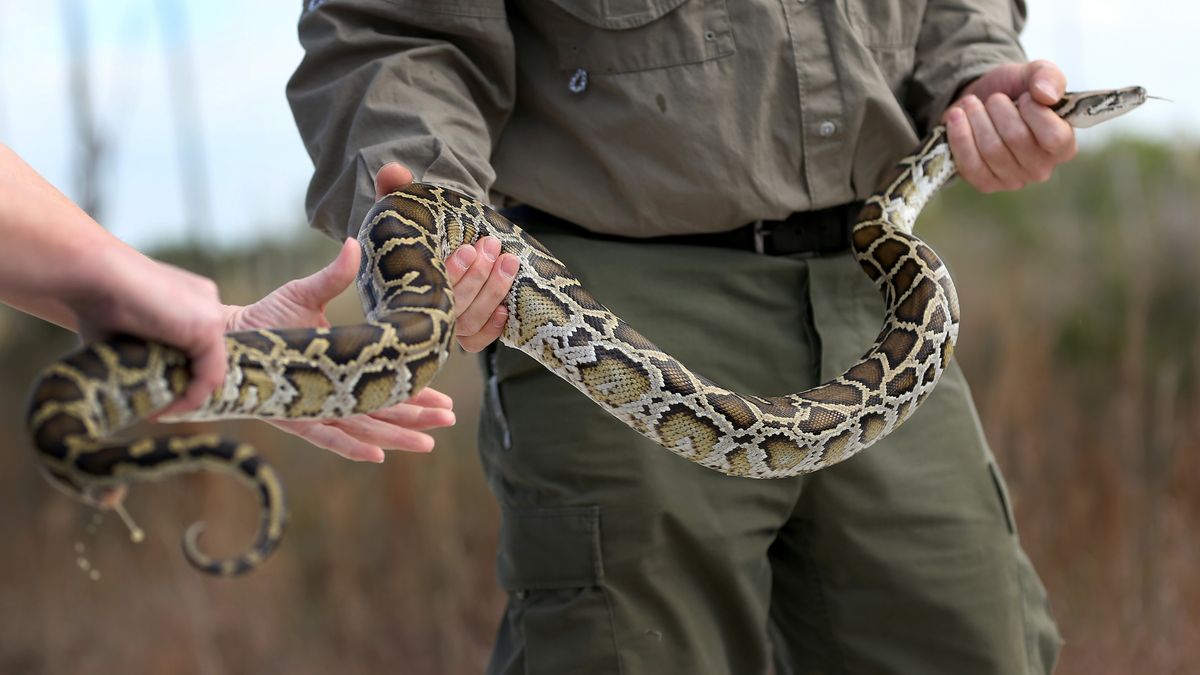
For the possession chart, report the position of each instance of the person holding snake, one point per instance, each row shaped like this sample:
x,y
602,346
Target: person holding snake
x,y
697,166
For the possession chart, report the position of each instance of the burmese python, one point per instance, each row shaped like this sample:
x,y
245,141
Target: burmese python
x,y
80,402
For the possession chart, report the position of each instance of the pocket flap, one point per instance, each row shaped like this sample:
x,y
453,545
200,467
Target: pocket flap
x,y
550,548
617,14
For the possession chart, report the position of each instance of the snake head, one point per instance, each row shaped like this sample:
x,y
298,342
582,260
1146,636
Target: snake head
x,y
103,497
1089,108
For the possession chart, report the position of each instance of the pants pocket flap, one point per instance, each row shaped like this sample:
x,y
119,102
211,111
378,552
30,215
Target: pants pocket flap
x,y
546,548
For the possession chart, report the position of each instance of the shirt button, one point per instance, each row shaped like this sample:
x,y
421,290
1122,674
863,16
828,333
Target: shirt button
x,y
578,81
827,128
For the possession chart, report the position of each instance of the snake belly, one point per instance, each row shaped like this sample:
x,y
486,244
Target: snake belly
x,y
81,403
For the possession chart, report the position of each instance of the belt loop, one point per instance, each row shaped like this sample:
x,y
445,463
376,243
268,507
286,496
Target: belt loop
x,y
760,237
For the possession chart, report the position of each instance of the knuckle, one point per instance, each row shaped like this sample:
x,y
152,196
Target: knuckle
x,y
480,269
998,102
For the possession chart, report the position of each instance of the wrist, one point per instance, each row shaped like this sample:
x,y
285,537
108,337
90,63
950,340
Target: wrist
x,y
104,272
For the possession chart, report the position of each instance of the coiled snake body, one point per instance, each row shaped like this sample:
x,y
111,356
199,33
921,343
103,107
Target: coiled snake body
x,y
82,401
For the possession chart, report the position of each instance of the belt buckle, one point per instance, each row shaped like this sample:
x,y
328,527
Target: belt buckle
x,y
760,237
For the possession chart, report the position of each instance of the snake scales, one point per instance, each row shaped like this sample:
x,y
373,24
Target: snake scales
x,y
81,402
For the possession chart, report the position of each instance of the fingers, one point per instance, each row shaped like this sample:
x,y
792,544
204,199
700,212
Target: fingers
x,y
208,372
1051,133
391,177
491,331
368,429
432,398
1004,145
331,438
469,269
363,437
481,277
982,158
316,290
415,417
197,327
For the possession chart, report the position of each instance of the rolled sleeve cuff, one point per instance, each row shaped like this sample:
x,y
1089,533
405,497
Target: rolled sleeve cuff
x,y
942,72
352,194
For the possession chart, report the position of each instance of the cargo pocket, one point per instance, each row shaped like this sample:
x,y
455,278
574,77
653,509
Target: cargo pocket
x,y
607,37
550,565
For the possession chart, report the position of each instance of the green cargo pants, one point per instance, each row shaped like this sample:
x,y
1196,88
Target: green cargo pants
x,y
620,557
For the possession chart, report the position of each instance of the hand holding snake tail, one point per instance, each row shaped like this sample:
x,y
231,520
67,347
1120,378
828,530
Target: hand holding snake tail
x,y
80,403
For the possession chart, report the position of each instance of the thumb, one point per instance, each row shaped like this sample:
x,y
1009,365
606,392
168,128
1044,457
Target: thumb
x,y
1041,79
1045,82
391,177
317,289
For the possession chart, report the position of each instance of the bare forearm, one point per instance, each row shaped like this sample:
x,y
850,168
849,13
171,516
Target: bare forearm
x,y
53,253
43,308
59,264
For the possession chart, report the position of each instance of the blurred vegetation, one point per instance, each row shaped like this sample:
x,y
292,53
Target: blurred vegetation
x,y
1081,316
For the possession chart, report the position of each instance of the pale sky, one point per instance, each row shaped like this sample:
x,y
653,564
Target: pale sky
x,y
245,51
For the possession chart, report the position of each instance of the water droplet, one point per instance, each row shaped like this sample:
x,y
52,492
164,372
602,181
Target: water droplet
x,y
94,575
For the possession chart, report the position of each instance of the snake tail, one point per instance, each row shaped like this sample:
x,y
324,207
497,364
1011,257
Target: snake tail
x,y
83,399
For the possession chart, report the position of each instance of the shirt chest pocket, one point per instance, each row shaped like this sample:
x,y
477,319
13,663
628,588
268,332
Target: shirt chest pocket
x,y
886,24
607,37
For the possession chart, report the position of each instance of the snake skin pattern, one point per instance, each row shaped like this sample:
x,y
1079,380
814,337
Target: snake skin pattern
x,y
81,402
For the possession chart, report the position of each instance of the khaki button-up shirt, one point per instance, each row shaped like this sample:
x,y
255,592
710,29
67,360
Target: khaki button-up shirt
x,y
633,117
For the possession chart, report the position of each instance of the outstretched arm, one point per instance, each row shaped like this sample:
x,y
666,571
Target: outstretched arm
x,y
59,264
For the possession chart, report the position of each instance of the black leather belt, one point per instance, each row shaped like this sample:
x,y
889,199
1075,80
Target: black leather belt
x,y
804,233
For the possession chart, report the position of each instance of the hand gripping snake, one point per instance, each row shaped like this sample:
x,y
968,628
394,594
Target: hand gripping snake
x,y
80,402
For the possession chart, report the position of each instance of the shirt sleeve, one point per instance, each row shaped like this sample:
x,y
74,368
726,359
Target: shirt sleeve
x,y
959,41
427,84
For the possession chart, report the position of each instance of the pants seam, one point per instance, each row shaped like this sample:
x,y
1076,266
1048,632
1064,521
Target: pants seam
x,y
612,625
814,574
